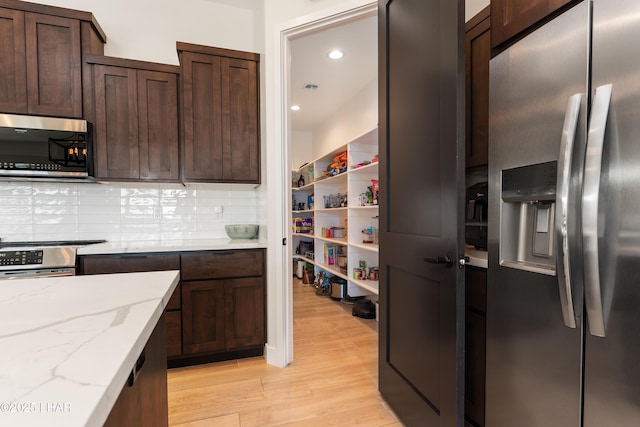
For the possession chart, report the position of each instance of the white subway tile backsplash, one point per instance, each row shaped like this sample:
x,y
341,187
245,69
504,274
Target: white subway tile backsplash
x,y
59,229
98,190
100,227
55,210
122,211
85,212
10,189
52,189
7,229
99,200
16,210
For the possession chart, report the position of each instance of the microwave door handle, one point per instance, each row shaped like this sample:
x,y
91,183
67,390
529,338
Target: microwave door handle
x,y
569,127
592,170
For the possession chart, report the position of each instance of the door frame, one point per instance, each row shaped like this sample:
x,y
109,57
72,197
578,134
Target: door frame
x,y
279,348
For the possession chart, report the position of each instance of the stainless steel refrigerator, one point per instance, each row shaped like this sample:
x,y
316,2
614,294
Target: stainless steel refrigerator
x,y
563,303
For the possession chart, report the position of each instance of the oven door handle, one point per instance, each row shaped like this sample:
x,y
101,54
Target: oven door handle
x,y
36,274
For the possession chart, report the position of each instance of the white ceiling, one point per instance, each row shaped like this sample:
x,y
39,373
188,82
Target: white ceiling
x,y
337,80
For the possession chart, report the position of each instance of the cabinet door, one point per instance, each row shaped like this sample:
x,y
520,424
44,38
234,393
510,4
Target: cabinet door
x,y
244,312
13,83
54,78
202,117
116,127
511,17
241,147
145,402
174,332
477,55
203,313
158,125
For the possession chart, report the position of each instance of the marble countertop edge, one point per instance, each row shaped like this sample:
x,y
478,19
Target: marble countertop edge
x,y
124,247
66,343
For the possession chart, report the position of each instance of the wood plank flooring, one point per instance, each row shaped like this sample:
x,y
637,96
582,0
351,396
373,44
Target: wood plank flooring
x,y
331,382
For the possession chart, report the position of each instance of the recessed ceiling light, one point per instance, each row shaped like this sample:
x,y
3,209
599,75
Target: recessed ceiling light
x,y
336,54
295,107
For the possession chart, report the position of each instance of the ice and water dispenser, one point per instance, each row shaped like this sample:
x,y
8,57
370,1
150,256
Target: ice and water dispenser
x,y
528,218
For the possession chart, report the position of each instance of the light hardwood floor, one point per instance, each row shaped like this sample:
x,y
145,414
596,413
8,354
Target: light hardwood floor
x,y
331,382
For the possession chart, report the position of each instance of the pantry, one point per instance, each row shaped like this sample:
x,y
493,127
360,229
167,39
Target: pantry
x,y
334,210
332,158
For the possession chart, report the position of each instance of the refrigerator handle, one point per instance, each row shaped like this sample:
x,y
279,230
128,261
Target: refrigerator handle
x,y
571,116
592,168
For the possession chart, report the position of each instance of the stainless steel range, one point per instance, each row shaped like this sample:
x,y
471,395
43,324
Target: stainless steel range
x,y
40,259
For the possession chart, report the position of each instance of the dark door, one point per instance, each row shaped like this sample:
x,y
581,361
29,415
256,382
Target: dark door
x,y
54,79
202,117
13,85
116,145
421,360
202,316
158,125
244,312
241,148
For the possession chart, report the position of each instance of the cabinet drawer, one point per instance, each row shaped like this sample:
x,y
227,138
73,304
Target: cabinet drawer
x,y
106,264
222,264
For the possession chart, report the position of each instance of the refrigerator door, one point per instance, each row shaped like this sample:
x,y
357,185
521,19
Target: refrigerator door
x,y
612,373
533,360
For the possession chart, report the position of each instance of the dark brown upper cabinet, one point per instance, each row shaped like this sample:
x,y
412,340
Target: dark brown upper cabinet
x,y
136,120
13,82
220,114
477,41
510,18
41,65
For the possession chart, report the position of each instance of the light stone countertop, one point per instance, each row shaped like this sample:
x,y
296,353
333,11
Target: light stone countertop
x,y
68,344
170,246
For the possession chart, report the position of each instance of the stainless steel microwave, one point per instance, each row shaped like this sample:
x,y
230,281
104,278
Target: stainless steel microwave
x,y
38,147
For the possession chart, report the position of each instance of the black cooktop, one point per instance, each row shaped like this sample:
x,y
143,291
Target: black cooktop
x,y
50,243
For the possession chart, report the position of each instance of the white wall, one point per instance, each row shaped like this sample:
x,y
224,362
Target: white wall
x,y
472,7
301,148
148,29
355,117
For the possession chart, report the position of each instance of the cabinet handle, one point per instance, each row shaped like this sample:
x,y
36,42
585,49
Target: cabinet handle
x,y
133,376
446,259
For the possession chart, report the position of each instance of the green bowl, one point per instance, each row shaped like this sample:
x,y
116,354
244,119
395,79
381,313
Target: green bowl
x,y
242,231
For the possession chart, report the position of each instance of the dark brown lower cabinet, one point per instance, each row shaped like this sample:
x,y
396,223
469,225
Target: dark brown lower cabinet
x,y
223,314
244,312
217,311
475,345
203,320
144,403
174,332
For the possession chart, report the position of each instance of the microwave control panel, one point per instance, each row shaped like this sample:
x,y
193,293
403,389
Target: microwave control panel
x,y
30,166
